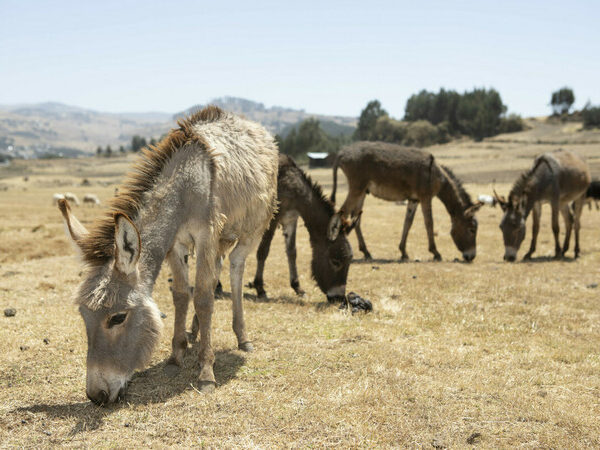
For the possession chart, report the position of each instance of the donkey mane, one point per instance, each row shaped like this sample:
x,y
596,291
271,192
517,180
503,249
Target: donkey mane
x,y
520,186
462,193
98,246
316,188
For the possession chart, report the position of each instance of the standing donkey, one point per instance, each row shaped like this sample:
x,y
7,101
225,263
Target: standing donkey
x,y
299,196
558,177
396,173
211,184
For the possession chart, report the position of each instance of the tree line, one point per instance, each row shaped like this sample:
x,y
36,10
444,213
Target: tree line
x,y
137,143
429,118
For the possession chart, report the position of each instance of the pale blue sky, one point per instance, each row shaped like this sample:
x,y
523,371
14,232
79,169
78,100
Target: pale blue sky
x,y
325,57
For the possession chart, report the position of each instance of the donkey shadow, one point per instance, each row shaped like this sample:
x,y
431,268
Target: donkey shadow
x,y
546,259
297,300
147,387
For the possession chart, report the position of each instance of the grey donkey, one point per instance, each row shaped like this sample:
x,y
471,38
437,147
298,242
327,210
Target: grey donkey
x,y
560,177
210,184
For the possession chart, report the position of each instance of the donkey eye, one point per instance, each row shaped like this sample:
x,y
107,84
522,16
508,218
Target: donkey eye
x,y
117,319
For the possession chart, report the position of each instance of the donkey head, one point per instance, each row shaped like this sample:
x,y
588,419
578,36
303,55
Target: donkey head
x,y
512,224
464,231
331,259
122,322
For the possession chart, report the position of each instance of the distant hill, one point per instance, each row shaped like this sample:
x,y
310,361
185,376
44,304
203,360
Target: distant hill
x,y
276,118
330,127
31,130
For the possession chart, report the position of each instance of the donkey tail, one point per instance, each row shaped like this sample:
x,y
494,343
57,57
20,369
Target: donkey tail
x,y
335,168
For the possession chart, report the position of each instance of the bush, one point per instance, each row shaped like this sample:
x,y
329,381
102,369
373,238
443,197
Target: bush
x,y
591,116
511,124
420,133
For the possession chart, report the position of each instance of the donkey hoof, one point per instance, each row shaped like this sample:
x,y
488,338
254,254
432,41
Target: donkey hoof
x,y
206,387
437,258
246,347
172,370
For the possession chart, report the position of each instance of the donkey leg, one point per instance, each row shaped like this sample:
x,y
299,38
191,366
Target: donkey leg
x,y
261,257
237,260
411,209
290,224
536,213
362,246
578,208
177,259
556,230
206,278
427,215
353,205
568,218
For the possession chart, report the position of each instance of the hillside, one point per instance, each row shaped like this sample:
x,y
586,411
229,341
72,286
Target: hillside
x,y
35,129
276,119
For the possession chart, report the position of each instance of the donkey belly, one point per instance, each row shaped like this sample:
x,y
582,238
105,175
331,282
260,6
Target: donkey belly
x,y
388,192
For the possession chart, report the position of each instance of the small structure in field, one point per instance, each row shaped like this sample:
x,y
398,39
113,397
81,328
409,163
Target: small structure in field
x,y
319,159
487,199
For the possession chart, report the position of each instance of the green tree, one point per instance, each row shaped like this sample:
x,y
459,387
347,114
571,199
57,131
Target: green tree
x,y
99,151
108,151
562,100
121,149
368,120
309,136
137,143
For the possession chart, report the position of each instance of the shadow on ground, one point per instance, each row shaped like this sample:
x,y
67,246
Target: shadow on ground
x,y
545,259
146,387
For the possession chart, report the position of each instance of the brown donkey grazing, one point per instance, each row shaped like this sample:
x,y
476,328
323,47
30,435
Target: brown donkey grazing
x,y
396,173
210,184
558,177
331,258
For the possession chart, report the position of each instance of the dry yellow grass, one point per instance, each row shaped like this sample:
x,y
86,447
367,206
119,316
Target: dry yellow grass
x,y
487,354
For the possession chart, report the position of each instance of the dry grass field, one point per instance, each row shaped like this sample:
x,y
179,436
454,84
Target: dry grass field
x,y
487,354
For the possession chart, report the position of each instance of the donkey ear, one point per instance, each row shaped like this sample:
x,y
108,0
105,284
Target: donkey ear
x,y
471,210
334,227
127,244
73,227
501,201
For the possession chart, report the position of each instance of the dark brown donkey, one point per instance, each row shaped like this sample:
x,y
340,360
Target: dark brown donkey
x,y
558,177
299,196
395,173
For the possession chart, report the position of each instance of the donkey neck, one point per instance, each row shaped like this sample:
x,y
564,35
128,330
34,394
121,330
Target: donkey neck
x,y
315,212
450,197
158,221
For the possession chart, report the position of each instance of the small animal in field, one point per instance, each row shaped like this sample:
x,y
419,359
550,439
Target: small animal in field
x,y
299,196
72,198
91,199
487,200
395,173
211,184
559,178
593,194
56,198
